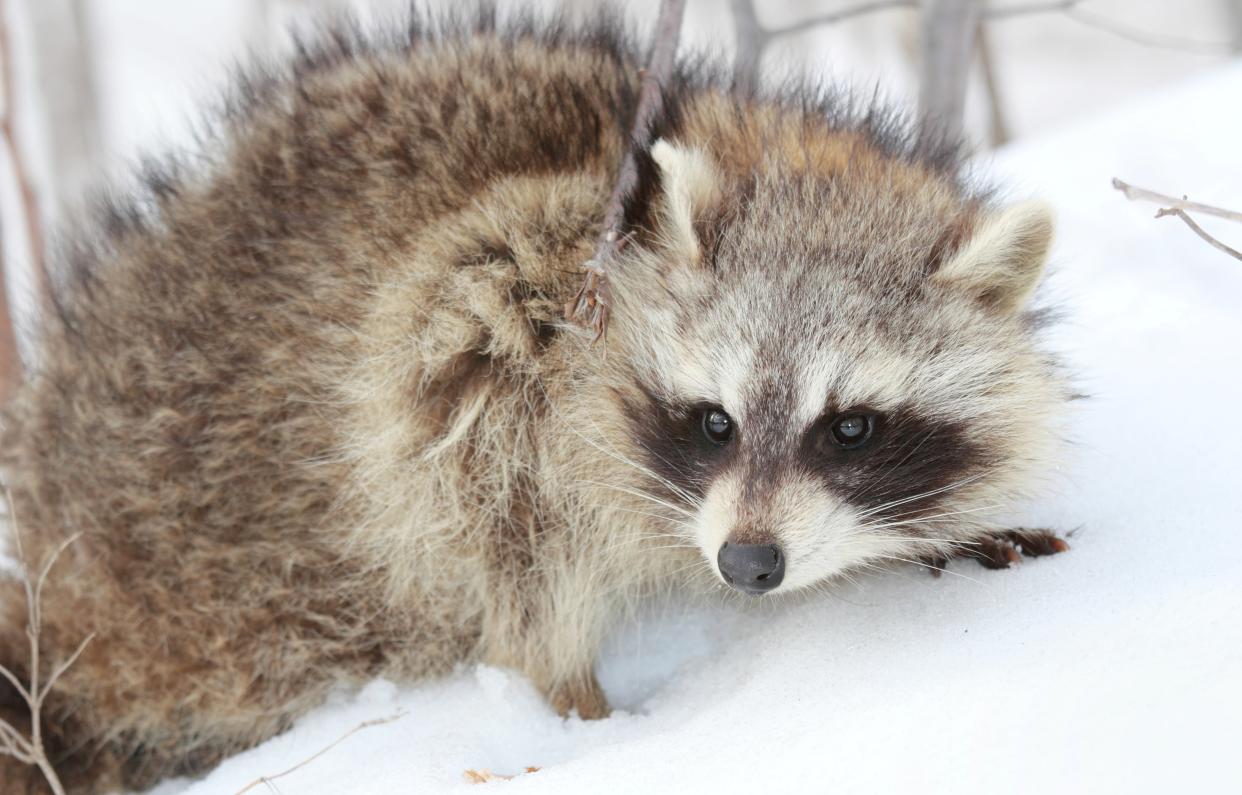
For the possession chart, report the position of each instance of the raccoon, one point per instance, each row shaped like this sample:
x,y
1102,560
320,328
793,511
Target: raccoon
x,y
312,413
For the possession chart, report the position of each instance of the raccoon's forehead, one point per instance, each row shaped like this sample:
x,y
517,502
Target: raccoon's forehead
x,y
764,348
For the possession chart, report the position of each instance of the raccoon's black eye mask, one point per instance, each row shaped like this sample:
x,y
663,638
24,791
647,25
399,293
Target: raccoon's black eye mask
x,y
849,430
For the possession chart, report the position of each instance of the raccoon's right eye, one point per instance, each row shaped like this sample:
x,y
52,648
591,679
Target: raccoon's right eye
x,y
717,426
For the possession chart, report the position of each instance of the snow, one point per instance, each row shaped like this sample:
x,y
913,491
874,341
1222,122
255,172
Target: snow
x,y
1115,667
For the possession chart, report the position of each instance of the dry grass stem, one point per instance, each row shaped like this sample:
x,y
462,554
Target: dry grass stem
x,y
366,724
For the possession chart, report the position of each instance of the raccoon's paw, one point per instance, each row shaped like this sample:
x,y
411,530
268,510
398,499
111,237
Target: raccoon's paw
x,y
583,695
1005,548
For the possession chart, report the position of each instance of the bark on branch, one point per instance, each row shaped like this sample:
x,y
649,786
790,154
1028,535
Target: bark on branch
x,y
591,306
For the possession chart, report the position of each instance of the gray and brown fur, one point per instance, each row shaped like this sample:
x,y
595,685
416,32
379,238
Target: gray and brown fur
x,y
315,413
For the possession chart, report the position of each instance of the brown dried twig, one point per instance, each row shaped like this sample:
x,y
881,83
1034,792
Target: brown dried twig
x,y
366,724
591,306
30,750
1180,209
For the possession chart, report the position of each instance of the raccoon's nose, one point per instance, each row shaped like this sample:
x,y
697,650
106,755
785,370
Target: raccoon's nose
x,y
751,568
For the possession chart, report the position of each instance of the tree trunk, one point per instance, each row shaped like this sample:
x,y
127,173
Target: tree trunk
x,y
69,102
948,34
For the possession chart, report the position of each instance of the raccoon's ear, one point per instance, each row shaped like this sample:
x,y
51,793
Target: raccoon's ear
x,y
1001,263
691,186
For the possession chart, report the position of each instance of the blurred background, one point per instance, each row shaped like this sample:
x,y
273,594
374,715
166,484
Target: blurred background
x,y
90,86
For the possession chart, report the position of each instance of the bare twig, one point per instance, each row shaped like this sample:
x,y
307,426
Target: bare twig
x,y
753,39
1072,10
1198,230
366,724
1148,38
30,750
590,307
30,202
1134,193
1023,9
1180,208
840,15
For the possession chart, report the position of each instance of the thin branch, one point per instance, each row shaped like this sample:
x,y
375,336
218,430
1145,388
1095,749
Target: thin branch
x,y
30,750
1180,208
366,724
13,680
25,187
65,666
591,306
840,15
1147,38
753,39
745,10
1198,230
1024,9
1134,193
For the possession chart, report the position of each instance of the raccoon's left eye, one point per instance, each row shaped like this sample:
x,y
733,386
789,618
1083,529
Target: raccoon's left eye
x,y
852,430
717,426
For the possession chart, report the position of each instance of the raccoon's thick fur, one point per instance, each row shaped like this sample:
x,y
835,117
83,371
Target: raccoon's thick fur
x,y
312,406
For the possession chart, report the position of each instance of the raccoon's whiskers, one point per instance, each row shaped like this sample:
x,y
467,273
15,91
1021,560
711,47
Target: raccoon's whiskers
x,y
949,541
654,515
641,495
911,516
929,566
873,486
924,495
678,491
673,546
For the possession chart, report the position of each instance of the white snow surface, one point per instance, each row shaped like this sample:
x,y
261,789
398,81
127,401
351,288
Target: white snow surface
x,y
1115,667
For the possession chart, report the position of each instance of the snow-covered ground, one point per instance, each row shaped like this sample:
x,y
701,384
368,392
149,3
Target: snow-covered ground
x,y
1114,668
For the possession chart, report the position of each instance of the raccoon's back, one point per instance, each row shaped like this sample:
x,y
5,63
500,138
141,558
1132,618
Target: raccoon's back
x,y
187,378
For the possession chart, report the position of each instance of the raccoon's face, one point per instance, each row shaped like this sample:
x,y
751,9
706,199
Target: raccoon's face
x,y
844,376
